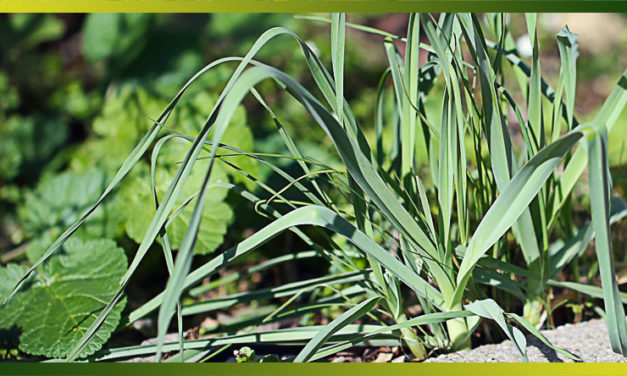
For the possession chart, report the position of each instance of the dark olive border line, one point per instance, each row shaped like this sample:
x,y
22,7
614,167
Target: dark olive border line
x,y
315,369
288,6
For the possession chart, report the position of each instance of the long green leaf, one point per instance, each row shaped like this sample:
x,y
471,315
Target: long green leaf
x,y
338,40
341,321
275,292
501,152
512,202
534,108
568,47
489,309
607,117
590,290
310,215
527,325
427,319
281,336
600,189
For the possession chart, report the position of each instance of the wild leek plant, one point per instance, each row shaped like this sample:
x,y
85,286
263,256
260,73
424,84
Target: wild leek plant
x,y
483,234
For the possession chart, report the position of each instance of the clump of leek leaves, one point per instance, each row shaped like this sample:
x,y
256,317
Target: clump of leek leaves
x,y
444,236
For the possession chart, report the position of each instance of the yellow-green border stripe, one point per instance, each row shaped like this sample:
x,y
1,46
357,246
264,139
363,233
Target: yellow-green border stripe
x,y
288,6
316,369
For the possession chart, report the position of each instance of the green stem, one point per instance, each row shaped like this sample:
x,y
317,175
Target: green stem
x,y
532,310
416,346
458,332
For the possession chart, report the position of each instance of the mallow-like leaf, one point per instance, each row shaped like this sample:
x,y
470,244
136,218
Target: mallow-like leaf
x,y
191,115
127,114
140,208
137,201
50,314
9,332
58,201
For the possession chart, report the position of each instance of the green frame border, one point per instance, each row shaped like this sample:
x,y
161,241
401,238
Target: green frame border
x,y
288,6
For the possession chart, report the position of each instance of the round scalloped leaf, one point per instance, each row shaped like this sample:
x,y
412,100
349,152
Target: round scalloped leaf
x,y
140,207
189,119
9,331
127,114
9,277
58,201
66,294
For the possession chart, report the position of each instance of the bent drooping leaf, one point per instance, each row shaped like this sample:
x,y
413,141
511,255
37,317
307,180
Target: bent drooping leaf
x,y
527,325
309,215
49,314
606,117
490,310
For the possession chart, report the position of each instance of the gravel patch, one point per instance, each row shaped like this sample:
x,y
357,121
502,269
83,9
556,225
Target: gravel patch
x,y
588,340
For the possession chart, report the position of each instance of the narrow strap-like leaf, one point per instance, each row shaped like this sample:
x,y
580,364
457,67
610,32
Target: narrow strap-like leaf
x,y
512,202
341,321
490,310
600,188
